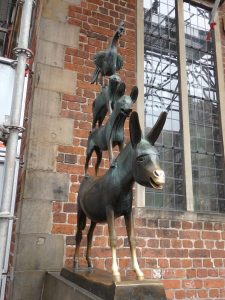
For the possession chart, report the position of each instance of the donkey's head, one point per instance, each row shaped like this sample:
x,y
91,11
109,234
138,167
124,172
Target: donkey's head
x,y
145,161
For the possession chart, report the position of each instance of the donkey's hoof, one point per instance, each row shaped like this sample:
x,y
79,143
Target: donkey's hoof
x,y
116,278
76,266
140,277
90,265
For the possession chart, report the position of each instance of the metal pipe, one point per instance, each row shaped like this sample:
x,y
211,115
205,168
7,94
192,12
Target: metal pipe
x,y
7,203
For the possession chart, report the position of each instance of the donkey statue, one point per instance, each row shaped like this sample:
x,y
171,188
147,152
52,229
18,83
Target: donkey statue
x,y
106,198
112,134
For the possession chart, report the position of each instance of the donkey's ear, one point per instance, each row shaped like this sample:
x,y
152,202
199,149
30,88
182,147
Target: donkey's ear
x,y
134,94
135,129
154,133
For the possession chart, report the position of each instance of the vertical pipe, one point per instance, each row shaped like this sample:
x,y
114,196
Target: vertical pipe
x,y
7,204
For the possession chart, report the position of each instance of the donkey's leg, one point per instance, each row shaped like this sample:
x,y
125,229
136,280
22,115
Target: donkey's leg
x,y
111,156
88,156
112,243
81,223
89,243
131,238
121,146
99,159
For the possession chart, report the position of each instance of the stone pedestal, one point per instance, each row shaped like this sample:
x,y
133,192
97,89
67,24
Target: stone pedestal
x,y
100,284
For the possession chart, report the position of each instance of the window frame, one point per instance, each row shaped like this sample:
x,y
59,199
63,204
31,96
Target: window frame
x,y
187,170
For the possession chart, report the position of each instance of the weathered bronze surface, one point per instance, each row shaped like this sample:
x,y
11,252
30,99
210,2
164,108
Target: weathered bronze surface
x,y
110,196
105,100
101,284
112,134
108,62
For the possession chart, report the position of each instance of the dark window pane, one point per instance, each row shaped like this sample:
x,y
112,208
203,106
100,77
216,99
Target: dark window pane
x,y
161,90
206,141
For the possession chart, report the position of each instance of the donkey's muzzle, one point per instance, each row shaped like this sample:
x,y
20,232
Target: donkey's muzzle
x,y
157,179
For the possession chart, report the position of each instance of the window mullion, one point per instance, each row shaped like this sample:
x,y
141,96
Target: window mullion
x,y
140,190
184,107
220,78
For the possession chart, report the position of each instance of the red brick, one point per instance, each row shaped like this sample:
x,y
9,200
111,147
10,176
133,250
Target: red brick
x,y
56,207
187,244
186,263
192,284
167,233
214,293
72,218
218,253
172,284
210,235
163,263
191,273
197,263
188,234
59,218
150,263
202,273
176,253
203,294
175,263
62,229
69,207
199,253
153,243
199,244
214,283
101,241
70,251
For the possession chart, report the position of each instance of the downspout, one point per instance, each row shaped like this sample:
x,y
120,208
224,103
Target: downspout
x,y
7,203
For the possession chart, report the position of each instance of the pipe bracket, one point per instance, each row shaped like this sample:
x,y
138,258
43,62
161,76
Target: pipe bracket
x,y
29,54
18,128
21,2
6,215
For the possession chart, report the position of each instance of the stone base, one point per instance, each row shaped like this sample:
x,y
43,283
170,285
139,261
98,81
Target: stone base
x,y
85,284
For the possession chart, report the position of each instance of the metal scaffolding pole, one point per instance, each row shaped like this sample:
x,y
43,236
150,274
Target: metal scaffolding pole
x,y
7,203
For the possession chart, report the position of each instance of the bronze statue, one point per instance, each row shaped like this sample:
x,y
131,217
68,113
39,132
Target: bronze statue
x,y
108,62
112,134
104,102
108,197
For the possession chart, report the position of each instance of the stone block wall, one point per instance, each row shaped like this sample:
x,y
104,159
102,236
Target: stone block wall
x,y
184,250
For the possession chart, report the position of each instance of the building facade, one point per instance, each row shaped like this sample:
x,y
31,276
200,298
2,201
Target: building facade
x,y
177,61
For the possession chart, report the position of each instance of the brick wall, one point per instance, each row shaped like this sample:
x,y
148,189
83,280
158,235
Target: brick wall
x,y
187,255
185,251
98,21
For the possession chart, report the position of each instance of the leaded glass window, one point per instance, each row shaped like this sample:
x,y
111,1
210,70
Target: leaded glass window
x,y
161,91
206,138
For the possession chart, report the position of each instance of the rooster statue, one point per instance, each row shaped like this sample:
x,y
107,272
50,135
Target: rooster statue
x,y
108,62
